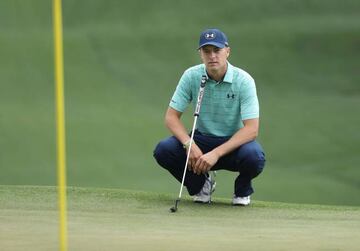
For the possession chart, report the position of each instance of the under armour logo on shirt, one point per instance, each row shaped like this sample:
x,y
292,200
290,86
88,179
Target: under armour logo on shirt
x,y
231,96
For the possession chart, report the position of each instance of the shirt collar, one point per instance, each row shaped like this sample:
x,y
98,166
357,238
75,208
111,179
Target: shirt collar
x,y
228,78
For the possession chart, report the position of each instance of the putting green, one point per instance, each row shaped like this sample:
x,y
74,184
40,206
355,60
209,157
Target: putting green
x,y
109,219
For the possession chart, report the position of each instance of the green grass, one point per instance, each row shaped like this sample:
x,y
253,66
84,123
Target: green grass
x,y
111,219
122,62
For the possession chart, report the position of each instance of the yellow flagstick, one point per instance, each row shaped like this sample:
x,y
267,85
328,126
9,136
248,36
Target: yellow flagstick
x,y
60,123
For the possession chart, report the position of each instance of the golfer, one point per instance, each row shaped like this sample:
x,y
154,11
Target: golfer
x,y
227,126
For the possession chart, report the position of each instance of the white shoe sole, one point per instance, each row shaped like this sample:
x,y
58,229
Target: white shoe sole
x,y
241,202
202,201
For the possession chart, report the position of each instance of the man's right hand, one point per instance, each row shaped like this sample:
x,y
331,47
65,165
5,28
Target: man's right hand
x,y
195,154
173,122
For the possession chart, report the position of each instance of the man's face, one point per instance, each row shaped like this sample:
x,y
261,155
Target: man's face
x,y
214,58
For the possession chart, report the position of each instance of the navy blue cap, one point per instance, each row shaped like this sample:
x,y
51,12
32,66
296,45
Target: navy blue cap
x,y
213,37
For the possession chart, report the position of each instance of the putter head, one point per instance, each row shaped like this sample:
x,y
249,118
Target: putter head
x,y
174,208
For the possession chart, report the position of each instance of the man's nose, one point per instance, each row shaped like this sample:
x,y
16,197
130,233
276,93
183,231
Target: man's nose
x,y
212,54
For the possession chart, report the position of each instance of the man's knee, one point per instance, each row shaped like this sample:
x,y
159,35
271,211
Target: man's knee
x,y
252,159
165,149
256,163
160,151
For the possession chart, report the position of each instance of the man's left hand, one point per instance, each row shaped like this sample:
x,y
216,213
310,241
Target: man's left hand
x,y
206,162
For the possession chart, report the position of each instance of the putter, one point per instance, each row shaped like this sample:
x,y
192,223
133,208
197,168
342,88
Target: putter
x,y
196,115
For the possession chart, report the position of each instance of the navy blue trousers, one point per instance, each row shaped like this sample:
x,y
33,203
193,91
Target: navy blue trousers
x,y
248,160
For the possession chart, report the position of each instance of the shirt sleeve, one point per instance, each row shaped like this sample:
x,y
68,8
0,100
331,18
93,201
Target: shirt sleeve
x,y
182,95
249,101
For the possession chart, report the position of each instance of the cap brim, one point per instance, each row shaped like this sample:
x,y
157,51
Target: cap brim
x,y
214,44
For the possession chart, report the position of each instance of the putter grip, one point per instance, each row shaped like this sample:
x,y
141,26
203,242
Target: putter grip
x,y
201,94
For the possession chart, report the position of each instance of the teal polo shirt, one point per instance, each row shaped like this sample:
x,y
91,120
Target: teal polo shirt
x,y
225,104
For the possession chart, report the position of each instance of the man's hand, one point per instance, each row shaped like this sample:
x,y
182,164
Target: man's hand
x,y
195,154
205,162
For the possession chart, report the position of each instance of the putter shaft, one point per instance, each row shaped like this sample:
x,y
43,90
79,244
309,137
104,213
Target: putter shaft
x,y
196,115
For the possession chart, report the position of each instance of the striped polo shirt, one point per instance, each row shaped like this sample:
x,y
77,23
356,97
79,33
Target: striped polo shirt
x,y
225,104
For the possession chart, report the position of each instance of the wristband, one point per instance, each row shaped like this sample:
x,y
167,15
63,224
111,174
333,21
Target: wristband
x,y
187,144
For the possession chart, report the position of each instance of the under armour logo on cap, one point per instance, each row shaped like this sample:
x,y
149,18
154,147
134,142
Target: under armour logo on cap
x,y
213,37
210,35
